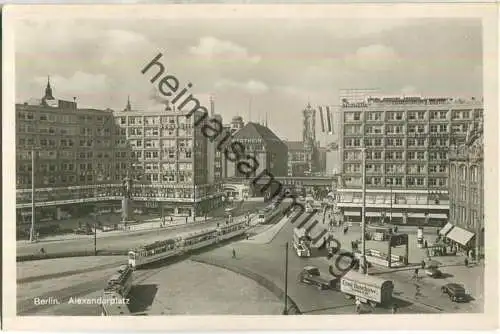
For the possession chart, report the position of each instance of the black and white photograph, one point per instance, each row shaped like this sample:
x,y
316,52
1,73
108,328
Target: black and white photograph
x,y
176,161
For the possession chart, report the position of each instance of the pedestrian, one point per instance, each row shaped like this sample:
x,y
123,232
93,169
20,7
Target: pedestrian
x,y
186,219
395,229
358,306
415,274
171,219
425,243
394,309
466,262
423,264
42,251
234,254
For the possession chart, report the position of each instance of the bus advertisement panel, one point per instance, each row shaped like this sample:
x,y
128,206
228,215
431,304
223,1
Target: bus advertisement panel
x,y
360,289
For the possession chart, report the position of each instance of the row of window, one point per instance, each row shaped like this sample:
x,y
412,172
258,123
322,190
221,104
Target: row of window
x,y
397,142
468,218
50,180
412,129
398,181
396,168
153,120
396,155
64,119
460,173
413,115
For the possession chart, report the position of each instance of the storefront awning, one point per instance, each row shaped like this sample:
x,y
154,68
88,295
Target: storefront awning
x,y
438,215
352,213
447,228
373,214
416,215
460,235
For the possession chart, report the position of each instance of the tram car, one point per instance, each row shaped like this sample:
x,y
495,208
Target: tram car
x,y
154,252
119,285
199,239
229,231
187,242
267,215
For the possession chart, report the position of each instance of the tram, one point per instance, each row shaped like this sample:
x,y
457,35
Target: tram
x,y
184,243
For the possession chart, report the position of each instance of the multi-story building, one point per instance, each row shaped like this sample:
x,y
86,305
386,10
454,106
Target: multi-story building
x,y
466,188
269,151
298,159
73,156
406,142
321,164
171,161
82,157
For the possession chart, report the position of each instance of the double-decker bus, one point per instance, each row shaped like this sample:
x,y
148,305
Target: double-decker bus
x,y
301,242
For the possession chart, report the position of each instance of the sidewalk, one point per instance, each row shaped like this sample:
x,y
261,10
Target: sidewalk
x,y
150,224
429,288
267,233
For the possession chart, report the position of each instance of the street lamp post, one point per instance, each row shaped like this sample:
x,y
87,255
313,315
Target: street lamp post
x,y
390,217
95,234
285,310
33,202
362,261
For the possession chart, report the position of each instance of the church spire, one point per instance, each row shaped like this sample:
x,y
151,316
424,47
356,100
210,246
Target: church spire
x,y
128,107
48,90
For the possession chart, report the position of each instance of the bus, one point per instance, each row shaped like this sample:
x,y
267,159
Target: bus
x,y
367,288
301,242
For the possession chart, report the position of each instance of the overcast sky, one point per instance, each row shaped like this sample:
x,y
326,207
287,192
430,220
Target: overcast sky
x,y
280,65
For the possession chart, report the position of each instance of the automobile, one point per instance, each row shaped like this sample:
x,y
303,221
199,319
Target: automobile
x,y
455,291
312,276
433,272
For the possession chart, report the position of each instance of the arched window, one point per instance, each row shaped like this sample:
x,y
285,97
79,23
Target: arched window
x,y
473,174
463,173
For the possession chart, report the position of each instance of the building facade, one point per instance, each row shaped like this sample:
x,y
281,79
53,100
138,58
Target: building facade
x,y
269,151
298,159
406,142
466,188
82,157
171,161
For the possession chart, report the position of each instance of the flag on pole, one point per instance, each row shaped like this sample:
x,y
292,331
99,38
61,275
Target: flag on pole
x,y
322,119
329,120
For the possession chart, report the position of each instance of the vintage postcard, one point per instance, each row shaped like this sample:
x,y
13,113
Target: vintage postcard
x,y
201,167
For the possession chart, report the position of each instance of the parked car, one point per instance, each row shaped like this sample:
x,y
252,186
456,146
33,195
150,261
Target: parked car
x,y
312,276
455,291
433,272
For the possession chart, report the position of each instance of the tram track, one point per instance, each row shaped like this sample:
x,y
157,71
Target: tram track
x,y
27,306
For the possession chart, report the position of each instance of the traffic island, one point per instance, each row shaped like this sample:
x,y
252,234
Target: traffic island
x,y
292,308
